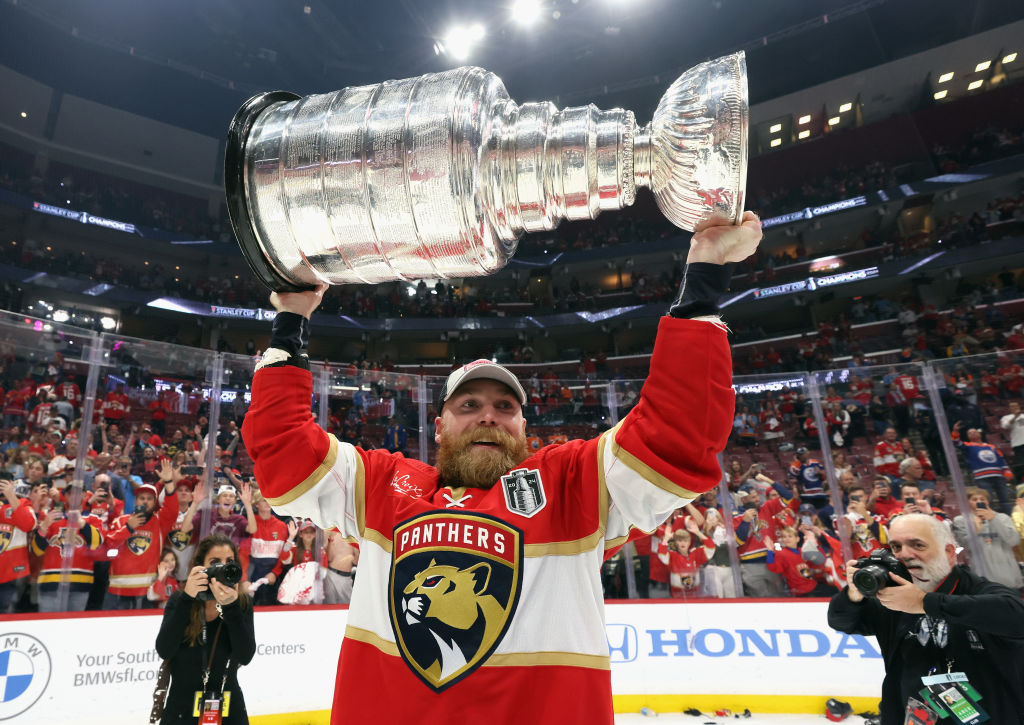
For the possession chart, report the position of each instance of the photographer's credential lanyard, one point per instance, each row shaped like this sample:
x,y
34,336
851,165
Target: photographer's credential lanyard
x,y
949,694
210,706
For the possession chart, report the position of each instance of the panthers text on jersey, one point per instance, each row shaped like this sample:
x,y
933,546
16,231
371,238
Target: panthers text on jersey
x,y
487,603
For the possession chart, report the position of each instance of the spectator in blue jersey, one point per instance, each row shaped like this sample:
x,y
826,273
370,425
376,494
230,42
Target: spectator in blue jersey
x,y
807,477
987,465
395,436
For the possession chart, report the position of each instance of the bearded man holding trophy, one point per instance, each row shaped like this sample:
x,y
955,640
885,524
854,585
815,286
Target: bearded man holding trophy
x,y
479,592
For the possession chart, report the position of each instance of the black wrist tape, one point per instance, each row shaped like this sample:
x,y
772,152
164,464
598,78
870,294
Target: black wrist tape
x,y
703,286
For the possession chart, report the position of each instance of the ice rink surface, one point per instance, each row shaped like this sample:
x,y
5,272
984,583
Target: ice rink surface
x,y
773,719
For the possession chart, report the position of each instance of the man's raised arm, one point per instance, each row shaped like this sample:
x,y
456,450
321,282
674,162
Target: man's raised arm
x,y
303,471
664,452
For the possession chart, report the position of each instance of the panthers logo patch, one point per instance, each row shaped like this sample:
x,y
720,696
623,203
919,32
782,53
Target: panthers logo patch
x,y
6,534
138,543
179,541
455,583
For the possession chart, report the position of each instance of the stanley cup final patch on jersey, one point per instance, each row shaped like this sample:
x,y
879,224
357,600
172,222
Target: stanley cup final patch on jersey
x,y
524,491
455,583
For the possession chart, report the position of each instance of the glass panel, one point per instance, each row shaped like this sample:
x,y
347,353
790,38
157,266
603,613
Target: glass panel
x,y
946,427
155,416
770,425
981,396
44,370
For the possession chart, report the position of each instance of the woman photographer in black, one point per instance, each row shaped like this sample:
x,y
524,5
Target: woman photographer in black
x,y
206,633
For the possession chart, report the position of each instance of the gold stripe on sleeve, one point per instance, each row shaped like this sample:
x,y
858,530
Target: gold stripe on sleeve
x,y
361,494
564,548
378,538
312,479
617,541
649,474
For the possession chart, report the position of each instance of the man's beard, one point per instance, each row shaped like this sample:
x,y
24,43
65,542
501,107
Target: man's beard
x,y
933,573
460,463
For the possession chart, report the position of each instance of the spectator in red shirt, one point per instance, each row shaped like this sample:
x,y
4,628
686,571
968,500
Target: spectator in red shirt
x,y
17,520
116,405
684,563
295,553
266,545
881,501
888,454
786,558
165,584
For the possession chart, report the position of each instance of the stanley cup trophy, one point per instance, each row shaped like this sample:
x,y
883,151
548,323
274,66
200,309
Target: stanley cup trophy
x,y
438,176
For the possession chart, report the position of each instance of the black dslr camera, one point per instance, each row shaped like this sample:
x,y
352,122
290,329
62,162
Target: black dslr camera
x,y
873,572
227,573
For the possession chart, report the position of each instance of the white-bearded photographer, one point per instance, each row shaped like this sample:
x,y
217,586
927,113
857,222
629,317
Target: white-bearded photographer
x,y
938,621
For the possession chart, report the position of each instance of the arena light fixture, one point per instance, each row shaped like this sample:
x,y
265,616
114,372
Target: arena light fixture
x,y
776,142
460,40
803,134
1009,58
946,77
804,119
525,12
983,65
61,316
939,96
775,128
108,323
845,107
974,85
24,115
833,121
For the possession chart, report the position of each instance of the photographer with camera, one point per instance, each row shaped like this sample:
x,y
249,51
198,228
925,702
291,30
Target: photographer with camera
x,y
207,632
997,536
933,617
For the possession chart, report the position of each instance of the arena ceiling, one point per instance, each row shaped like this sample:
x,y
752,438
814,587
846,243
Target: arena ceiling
x,y
192,62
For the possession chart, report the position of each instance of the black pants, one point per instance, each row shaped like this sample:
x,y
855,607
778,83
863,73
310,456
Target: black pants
x,y
100,580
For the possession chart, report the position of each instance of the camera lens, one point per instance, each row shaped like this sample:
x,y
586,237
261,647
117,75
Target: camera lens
x,y
227,573
870,579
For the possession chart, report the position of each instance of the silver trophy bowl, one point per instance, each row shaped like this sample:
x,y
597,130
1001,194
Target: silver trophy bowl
x,y
439,176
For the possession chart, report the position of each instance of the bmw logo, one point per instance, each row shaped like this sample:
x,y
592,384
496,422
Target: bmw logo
x,y
24,673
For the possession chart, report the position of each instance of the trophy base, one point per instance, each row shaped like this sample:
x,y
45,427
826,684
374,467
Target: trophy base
x,y
234,186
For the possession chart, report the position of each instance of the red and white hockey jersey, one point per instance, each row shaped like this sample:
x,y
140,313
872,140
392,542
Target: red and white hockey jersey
x,y
70,391
887,458
133,567
684,569
468,598
15,523
50,545
116,406
268,541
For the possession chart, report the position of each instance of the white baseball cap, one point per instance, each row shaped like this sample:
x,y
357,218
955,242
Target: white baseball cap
x,y
476,370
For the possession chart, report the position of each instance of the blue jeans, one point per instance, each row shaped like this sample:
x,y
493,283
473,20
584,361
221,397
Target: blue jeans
x,y
50,602
8,590
117,601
